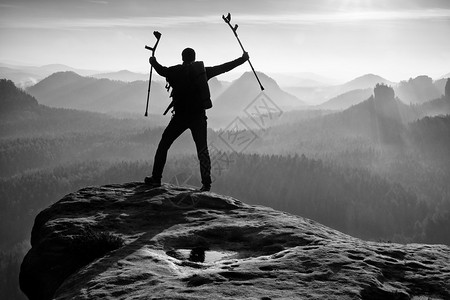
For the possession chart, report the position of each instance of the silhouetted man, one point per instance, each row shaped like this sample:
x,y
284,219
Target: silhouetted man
x,y
190,98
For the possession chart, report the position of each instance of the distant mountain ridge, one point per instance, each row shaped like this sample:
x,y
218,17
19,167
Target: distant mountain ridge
x,y
122,75
12,98
418,90
241,95
365,81
22,78
323,94
26,76
347,99
70,90
245,88
21,114
53,68
301,79
381,117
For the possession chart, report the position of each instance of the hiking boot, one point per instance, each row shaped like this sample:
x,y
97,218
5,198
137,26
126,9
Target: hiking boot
x,y
205,188
149,180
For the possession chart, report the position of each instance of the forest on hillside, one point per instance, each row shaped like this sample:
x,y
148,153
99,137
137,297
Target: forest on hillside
x,y
343,169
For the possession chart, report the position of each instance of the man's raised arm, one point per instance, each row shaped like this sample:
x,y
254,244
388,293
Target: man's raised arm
x,y
228,66
161,70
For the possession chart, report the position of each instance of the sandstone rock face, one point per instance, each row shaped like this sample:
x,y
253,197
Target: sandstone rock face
x,y
131,242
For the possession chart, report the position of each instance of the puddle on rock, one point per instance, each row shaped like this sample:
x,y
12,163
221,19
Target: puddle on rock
x,y
206,256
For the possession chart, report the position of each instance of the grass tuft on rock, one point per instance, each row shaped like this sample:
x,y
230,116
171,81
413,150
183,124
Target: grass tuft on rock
x,y
92,245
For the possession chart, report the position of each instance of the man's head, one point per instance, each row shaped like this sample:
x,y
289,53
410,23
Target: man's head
x,y
188,55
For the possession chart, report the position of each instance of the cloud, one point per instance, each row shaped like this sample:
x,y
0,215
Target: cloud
x,y
345,17
98,2
257,19
81,23
9,5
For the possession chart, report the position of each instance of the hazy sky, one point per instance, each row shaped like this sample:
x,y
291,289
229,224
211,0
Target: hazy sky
x,y
396,39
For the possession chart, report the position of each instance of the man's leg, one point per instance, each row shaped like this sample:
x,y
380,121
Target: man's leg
x,y
175,128
199,133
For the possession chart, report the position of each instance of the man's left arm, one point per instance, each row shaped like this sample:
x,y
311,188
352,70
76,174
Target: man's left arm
x,y
228,66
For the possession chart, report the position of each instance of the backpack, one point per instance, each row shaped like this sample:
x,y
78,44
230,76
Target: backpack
x,y
190,84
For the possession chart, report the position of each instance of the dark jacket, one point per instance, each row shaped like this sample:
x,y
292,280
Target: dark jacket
x,y
184,101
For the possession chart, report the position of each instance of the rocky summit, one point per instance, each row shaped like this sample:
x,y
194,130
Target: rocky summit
x,y
129,241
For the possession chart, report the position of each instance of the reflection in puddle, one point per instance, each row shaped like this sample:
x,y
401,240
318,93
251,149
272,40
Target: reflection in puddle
x,y
206,256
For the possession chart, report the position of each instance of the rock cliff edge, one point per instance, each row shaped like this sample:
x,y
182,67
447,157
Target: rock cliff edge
x,y
128,241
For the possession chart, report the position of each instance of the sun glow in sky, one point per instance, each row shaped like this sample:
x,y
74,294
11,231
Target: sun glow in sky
x,y
340,39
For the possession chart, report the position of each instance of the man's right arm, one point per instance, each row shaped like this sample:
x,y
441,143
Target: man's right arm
x,y
161,70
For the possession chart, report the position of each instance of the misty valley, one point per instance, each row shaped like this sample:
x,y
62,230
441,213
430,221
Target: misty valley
x,y
369,158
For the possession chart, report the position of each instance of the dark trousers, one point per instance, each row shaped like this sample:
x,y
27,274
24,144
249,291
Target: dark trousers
x,y
176,127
